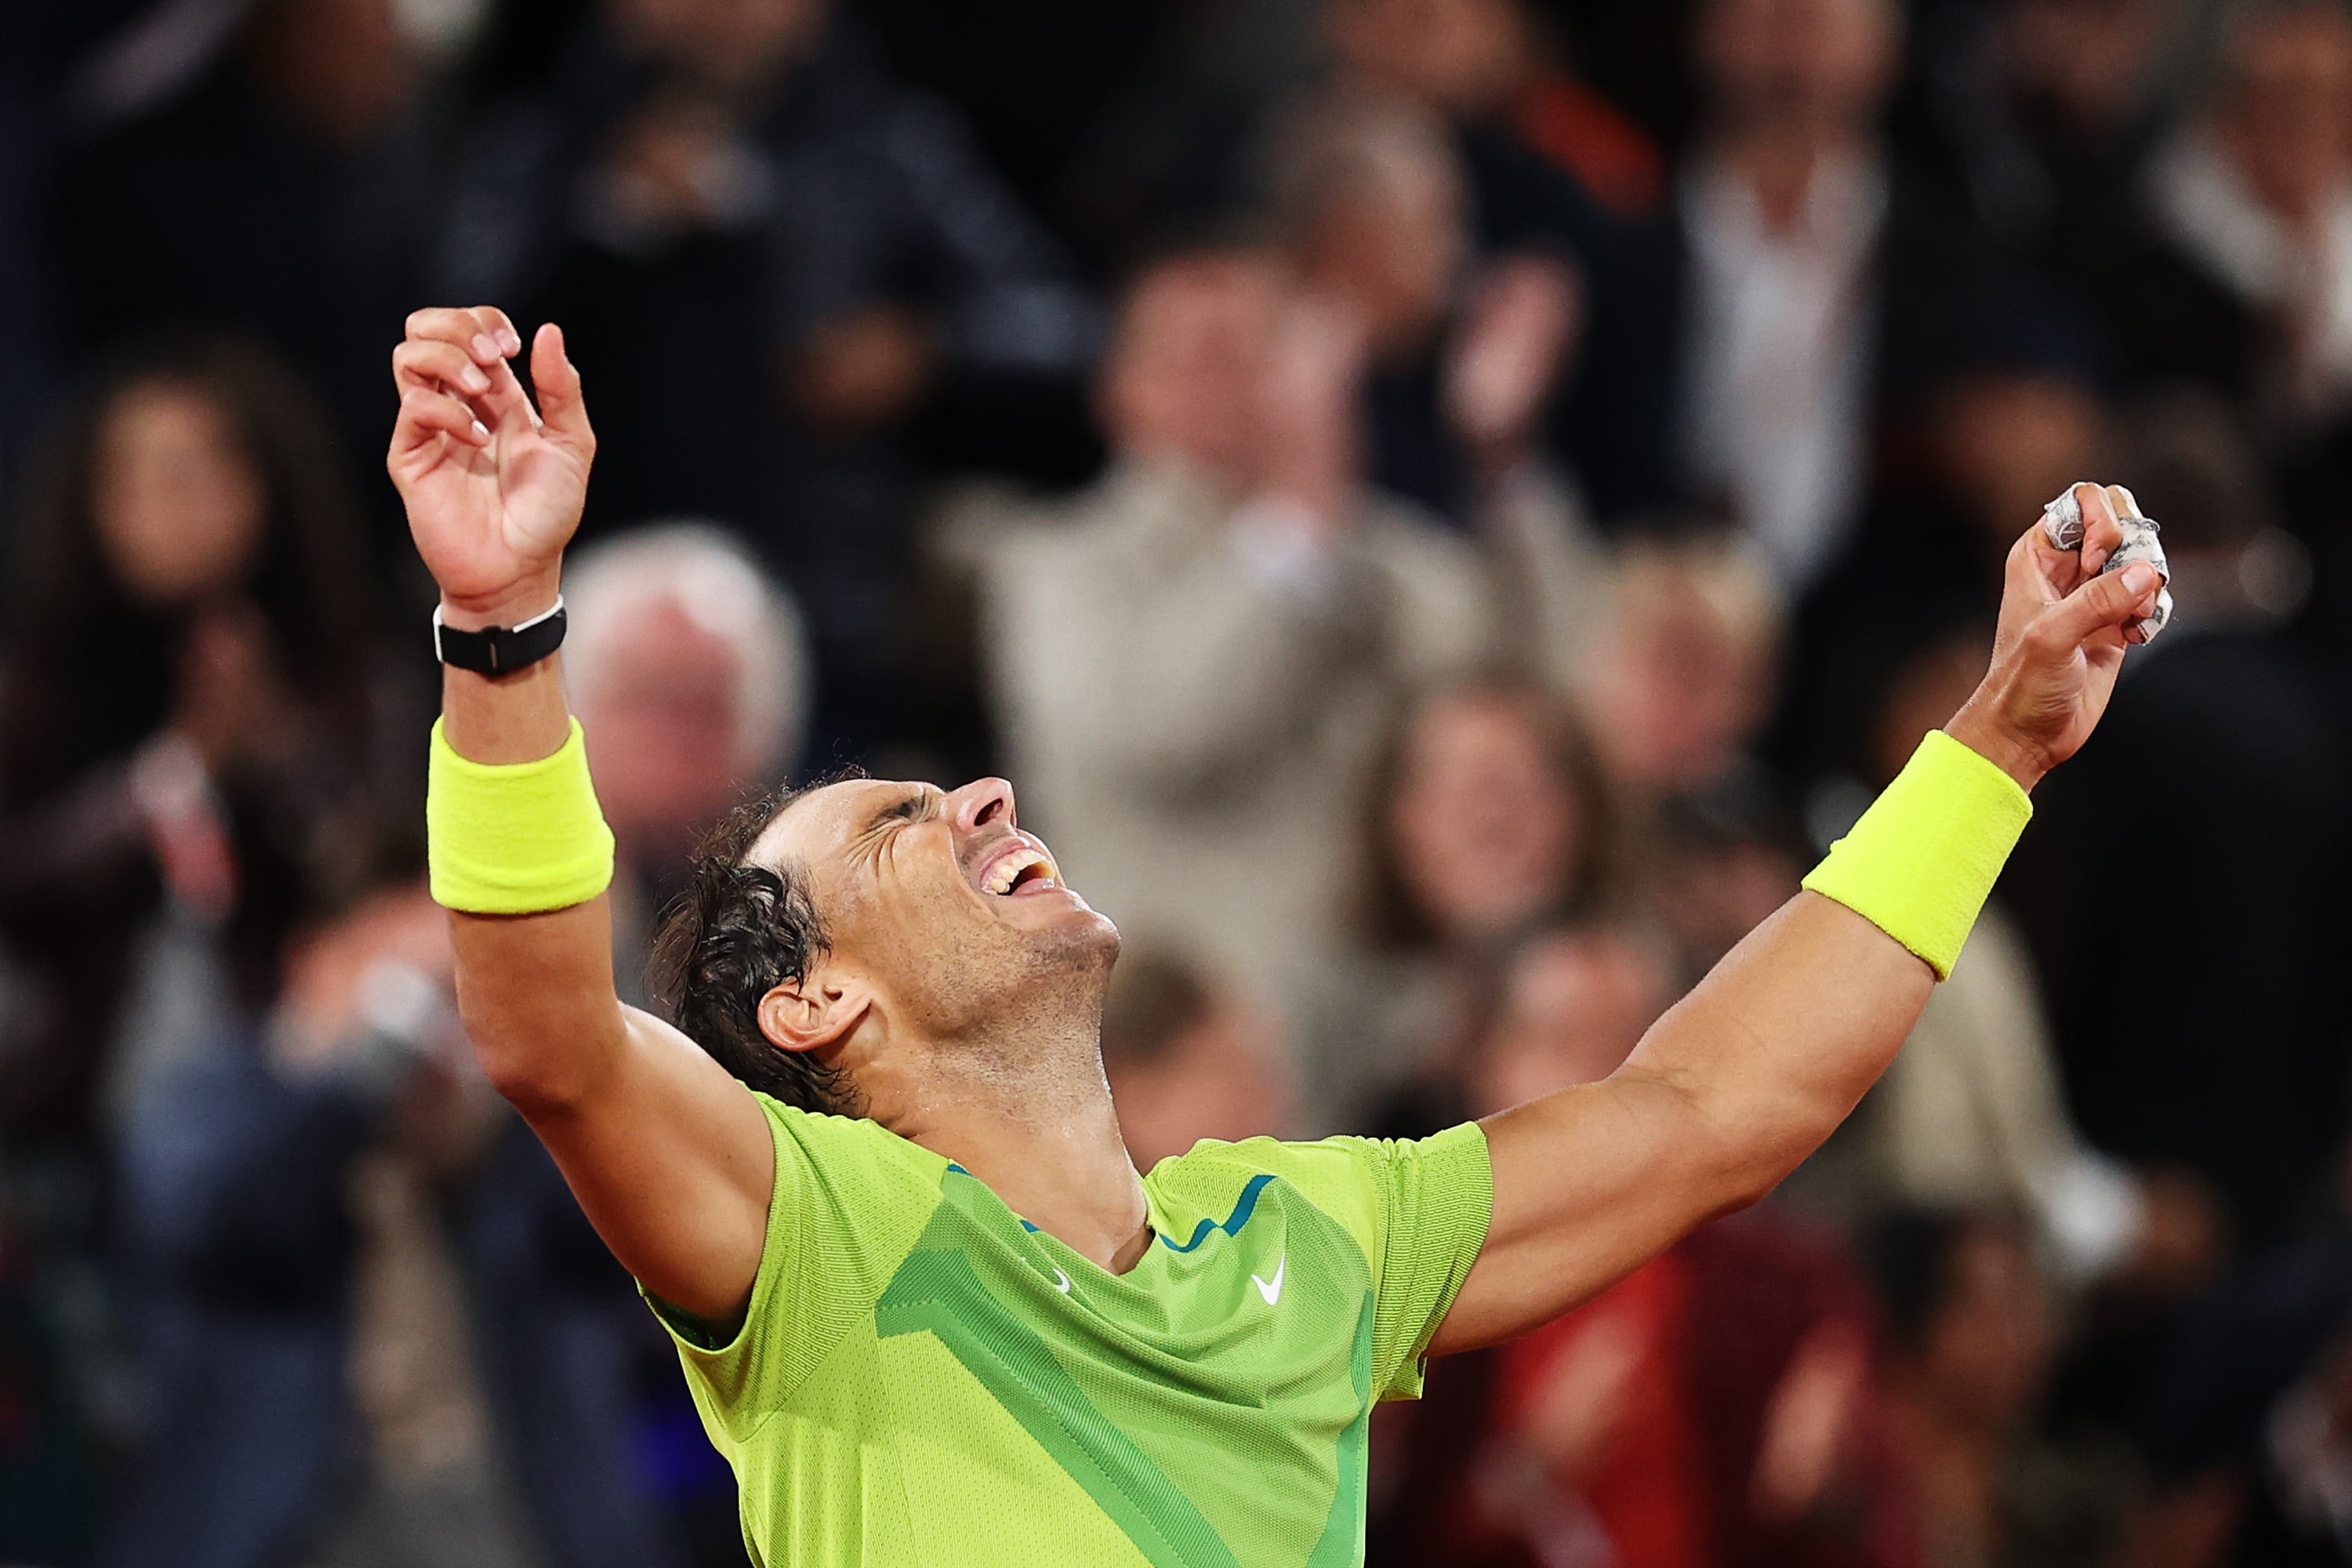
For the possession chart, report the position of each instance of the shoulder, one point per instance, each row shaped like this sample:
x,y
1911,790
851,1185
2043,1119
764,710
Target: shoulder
x,y
850,1156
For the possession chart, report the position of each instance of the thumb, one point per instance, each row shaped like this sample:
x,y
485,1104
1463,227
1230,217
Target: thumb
x,y
2111,599
556,381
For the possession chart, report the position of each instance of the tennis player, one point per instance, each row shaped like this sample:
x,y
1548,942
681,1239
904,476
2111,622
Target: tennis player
x,y
872,1183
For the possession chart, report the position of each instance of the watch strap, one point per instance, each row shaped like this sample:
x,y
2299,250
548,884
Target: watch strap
x,y
500,650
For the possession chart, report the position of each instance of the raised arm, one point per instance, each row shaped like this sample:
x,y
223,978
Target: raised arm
x,y
1746,1075
666,1154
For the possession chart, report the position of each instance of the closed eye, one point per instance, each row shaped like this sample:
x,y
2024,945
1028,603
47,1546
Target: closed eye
x,y
920,805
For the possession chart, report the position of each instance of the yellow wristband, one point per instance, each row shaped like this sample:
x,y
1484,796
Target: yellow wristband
x,y
1922,860
515,839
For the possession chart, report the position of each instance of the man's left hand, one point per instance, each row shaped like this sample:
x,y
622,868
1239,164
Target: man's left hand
x,y
2064,630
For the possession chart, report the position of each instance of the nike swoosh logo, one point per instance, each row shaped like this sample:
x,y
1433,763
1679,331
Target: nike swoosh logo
x,y
1272,1289
1061,1281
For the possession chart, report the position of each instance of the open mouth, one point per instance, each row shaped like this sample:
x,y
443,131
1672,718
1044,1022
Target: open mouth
x,y
1025,870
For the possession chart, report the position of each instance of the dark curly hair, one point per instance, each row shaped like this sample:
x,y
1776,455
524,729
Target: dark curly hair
x,y
736,933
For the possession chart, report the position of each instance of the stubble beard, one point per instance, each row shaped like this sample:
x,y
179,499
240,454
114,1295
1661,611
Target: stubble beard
x,y
1026,1017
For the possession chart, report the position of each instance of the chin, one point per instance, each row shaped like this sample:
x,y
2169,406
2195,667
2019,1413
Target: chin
x,y
1084,940
1096,934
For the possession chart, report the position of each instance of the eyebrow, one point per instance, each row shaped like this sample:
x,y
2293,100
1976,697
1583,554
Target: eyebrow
x,y
913,806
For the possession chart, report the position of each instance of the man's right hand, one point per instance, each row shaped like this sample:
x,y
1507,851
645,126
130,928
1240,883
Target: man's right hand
x,y
493,485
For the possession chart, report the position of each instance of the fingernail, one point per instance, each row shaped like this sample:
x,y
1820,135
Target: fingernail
x,y
473,380
481,430
2141,578
509,341
486,347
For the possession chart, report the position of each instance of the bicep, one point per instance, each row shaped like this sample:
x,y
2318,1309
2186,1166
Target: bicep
x,y
1589,1184
674,1164
1736,1084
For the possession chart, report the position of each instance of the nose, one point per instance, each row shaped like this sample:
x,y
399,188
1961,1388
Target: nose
x,y
982,803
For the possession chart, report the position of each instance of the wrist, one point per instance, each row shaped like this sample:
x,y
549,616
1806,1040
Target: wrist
x,y
509,606
1923,857
1986,736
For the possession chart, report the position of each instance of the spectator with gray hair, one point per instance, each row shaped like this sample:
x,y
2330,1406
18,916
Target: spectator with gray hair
x,y
689,669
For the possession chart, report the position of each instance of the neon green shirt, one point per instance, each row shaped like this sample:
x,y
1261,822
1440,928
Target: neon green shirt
x,y
922,1379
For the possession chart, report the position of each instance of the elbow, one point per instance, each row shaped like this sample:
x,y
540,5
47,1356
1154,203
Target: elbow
x,y
1749,1151
1748,1178
530,1086
543,1071
534,1084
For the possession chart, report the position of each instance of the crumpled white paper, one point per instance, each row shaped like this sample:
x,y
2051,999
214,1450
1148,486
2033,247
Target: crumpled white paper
x,y
2062,519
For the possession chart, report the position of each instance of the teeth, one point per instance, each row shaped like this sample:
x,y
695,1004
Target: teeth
x,y
1002,876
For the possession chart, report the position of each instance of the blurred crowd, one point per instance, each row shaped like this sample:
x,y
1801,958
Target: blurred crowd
x,y
1441,508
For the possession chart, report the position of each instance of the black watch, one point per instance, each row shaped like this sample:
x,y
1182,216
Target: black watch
x,y
500,650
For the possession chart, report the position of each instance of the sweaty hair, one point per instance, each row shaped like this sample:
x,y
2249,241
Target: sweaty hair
x,y
735,934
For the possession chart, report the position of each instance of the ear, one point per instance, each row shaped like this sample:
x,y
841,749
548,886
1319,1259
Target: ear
x,y
810,1013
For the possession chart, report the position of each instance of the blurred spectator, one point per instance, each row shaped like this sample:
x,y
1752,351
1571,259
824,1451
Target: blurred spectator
x,y
2247,1418
2054,104
1719,864
283,191
1192,659
1459,366
189,702
1488,816
1188,1061
2257,191
1465,63
1371,200
1677,677
1974,1329
775,262
2232,1067
1496,66
1683,665
1379,110
379,1330
1824,289
690,677
1039,82
1717,1407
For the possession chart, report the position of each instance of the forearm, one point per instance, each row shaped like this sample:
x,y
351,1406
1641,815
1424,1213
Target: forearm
x,y
536,991
1781,1040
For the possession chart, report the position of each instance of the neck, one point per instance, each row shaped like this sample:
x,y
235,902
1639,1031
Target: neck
x,y
1777,160
1039,1129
